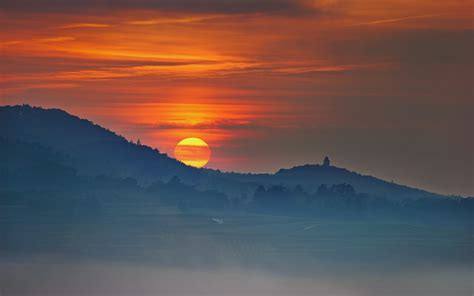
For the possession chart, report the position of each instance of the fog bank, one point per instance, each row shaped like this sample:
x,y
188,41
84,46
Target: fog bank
x,y
48,276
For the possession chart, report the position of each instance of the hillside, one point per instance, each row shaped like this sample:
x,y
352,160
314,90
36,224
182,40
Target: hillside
x,y
316,175
93,150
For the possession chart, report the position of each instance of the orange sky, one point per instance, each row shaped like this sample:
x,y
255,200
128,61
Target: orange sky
x,y
382,86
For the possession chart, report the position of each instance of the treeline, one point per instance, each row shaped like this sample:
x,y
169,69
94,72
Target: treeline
x,y
89,195
34,176
341,201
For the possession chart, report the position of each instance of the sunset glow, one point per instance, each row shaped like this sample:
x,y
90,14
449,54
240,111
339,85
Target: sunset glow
x,y
193,152
267,83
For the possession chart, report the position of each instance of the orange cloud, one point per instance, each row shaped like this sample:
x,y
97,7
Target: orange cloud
x,y
230,74
84,25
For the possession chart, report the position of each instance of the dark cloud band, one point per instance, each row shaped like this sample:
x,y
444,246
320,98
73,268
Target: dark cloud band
x,y
198,6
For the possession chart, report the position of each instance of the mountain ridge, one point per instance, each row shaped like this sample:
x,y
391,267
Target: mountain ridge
x,y
96,150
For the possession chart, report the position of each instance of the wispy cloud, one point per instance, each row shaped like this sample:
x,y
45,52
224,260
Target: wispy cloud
x,y
55,39
12,89
210,124
396,20
13,43
189,70
300,68
84,25
171,20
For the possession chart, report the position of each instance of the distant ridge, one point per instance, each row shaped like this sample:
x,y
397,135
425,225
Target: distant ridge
x,y
94,150
321,174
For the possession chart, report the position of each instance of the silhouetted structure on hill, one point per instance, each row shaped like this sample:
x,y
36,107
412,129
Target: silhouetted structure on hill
x,y
326,162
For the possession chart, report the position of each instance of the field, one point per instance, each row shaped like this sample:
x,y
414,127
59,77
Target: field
x,y
165,235
150,249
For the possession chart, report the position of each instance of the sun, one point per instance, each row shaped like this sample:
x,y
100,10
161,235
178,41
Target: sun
x,y
193,152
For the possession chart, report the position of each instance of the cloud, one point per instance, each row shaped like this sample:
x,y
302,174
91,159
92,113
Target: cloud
x,y
198,6
222,124
179,70
412,48
168,20
14,43
56,39
84,25
396,20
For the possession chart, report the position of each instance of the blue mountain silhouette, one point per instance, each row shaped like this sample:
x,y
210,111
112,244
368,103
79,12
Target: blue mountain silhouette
x,y
92,150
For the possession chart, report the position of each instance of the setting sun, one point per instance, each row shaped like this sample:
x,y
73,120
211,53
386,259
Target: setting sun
x,y
193,152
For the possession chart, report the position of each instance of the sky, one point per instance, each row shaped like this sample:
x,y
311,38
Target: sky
x,y
381,87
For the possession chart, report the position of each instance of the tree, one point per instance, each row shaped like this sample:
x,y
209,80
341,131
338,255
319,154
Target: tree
x,y
343,190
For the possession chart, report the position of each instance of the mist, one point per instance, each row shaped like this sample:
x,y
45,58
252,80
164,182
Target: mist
x,y
48,275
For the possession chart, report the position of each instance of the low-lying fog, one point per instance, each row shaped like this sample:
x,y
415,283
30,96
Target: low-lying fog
x,y
51,276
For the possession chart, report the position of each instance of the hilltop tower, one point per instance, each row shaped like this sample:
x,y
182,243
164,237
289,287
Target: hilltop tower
x,y
326,162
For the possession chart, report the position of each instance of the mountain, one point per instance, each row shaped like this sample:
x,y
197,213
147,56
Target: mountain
x,y
316,175
71,190
26,166
93,150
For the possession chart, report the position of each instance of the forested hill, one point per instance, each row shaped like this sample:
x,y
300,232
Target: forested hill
x,y
93,150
